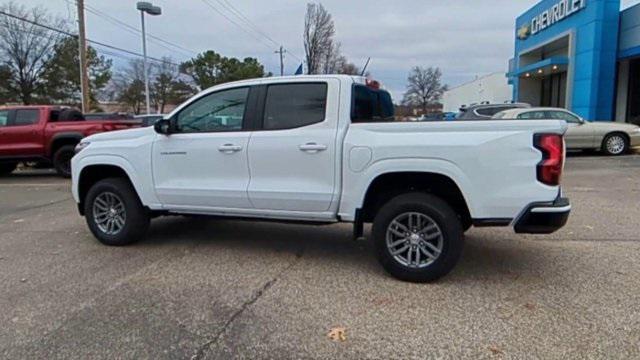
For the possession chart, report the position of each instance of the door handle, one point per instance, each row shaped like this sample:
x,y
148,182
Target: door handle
x,y
229,148
312,147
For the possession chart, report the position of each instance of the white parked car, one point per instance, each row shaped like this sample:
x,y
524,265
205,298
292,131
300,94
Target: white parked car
x,y
612,138
325,149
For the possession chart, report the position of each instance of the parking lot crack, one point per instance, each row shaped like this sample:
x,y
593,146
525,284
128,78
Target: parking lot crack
x,y
252,300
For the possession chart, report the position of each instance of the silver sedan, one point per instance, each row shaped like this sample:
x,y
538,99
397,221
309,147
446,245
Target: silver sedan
x,y
613,138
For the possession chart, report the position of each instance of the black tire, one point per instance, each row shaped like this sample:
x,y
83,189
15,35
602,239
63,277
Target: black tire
x,y
62,160
619,139
136,216
452,239
7,168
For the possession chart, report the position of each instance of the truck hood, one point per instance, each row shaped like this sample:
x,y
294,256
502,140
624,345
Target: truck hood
x,y
121,134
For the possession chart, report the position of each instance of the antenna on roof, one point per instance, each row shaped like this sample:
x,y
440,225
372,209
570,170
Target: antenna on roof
x,y
365,66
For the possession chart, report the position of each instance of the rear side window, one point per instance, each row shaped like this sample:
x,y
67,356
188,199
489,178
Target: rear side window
x,y
561,115
490,111
290,106
532,115
26,117
4,118
371,105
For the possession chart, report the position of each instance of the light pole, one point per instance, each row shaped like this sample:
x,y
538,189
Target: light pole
x,y
149,8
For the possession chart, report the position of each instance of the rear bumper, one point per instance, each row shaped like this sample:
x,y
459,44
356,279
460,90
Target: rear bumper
x,y
543,218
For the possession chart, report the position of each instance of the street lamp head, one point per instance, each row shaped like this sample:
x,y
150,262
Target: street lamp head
x,y
155,10
149,8
144,6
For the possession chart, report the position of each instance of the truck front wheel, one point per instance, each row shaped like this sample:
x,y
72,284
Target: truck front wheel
x,y
114,213
417,237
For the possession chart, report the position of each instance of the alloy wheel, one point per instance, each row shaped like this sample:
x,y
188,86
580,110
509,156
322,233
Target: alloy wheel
x,y
414,240
615,144
109,213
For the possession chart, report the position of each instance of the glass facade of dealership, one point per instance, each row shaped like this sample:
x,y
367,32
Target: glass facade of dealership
x,y
583,55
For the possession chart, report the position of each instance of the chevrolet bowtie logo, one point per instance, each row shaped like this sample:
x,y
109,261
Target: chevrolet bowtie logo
x,y
524,32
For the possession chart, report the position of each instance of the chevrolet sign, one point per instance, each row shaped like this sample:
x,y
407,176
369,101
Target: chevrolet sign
x,y
558,12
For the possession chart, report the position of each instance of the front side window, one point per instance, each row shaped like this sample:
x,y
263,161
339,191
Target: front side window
x,y
216,112
4,118
26,117
532,115
562,115
371,105
290,106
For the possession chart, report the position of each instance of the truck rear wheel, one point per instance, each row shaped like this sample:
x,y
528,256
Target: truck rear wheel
x,y
417,237
114,213
7,168
62,160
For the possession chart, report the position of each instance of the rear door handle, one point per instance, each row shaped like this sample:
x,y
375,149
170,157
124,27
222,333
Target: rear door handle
x,y
229,148
313,147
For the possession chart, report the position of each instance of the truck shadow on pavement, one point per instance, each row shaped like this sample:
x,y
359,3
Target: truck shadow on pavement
x,y
484,257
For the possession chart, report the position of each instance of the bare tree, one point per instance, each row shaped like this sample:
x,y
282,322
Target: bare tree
x,y
127,86
26,48
318,36
168,87
332,57
336,63
349,68
424,87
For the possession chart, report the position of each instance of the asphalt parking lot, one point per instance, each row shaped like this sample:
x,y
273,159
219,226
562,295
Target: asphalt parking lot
x,y
200,288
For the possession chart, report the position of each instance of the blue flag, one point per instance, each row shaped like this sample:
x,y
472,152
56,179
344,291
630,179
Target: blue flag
x,y
300,70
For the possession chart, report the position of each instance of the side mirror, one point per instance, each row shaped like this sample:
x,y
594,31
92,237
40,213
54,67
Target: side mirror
x,y
163,126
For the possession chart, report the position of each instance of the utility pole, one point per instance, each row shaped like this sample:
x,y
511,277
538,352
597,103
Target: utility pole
x,y
281,51
82,45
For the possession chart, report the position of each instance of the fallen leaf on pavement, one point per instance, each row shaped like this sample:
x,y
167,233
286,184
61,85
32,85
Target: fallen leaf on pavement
x,y
495,350
337,334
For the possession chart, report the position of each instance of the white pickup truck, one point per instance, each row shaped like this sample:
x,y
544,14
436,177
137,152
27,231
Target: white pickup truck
x,y
325,149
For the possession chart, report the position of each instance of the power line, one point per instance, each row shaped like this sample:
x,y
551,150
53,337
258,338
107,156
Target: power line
x,y
242,17
239,14
133,30
235,23
137,31
94,42
244,28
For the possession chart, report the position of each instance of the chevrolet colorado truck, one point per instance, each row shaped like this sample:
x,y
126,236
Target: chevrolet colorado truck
x,y
46,134
321,150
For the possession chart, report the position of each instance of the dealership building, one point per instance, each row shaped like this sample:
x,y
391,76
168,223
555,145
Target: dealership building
x,y
582,55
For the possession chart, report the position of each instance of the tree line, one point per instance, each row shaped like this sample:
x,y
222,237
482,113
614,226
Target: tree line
x,y
40,66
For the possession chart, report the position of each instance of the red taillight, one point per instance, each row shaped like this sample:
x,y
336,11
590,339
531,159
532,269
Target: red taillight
x,y
552,148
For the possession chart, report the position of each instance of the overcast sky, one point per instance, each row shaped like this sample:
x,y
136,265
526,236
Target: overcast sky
x,y
464,38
